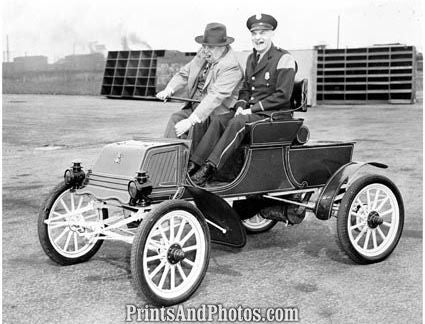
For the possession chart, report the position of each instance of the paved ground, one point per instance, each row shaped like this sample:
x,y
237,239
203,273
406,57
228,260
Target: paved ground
x,y
299,266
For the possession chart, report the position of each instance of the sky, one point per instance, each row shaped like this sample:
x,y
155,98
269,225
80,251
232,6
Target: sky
x,y
56,28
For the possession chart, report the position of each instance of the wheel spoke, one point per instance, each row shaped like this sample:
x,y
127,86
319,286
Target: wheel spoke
x,y
91,216
356,214
75,241
356,226
180,269
156,270
57,225
382,203
180,230
72,201
80,202
59,216
369,207
153,258
386,212
188,235
375,201
186,260
173,277
381,233
375,244
358,202
65,206
360,235
61,234
190,248
164,276
161,230
366,241
68,238
154,245
171,228
387,224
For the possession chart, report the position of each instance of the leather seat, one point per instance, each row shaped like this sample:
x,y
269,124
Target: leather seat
x,y
282,128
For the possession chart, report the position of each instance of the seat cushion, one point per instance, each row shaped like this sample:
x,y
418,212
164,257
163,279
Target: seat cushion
x,y
282,132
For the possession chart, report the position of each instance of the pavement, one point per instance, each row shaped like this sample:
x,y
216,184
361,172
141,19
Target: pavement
x,y
299,266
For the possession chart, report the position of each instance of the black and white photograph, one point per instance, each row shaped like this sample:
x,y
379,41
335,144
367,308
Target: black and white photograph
x,y
212,162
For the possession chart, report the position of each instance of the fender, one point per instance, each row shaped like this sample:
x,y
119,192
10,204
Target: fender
x,y
333,185
217,210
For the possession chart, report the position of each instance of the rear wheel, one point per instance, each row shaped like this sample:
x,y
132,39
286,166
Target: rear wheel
x,y
370,219
170,253
60,230
258,224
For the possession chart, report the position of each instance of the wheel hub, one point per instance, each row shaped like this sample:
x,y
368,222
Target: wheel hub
x,y
374,220
175,254
73,221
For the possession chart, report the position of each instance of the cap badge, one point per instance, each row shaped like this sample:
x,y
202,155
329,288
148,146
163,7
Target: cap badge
x,y
118,158
258,16
267,76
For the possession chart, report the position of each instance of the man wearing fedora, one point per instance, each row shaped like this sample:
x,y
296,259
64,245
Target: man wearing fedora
x,y
213,77
267,88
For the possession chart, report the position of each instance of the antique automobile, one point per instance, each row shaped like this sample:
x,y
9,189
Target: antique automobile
x,y
138,192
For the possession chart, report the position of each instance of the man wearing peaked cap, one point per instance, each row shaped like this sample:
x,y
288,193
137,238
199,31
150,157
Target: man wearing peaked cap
x,y
261,21
267,88
213,77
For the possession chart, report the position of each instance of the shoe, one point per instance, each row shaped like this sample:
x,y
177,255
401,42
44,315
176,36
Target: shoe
x,y
192,167
204,174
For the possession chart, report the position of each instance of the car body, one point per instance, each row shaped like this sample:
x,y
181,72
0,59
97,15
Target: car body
x,y
138,192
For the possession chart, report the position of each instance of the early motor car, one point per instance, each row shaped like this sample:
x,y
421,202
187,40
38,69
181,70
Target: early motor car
x,y
138,192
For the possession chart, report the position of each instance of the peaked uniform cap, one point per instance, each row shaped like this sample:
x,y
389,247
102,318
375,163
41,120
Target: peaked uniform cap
x,y
261,21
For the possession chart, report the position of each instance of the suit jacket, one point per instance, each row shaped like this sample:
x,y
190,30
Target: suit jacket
x,y
268,84
221,85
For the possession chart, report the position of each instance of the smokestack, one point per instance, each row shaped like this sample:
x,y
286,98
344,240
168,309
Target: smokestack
x,y
337,35
7,48
124,43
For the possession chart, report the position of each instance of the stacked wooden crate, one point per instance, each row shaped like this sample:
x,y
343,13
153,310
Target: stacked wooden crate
x,y
140,74
366,75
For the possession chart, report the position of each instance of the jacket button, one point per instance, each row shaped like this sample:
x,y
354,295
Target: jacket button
x,y
252,98
253,88
253,78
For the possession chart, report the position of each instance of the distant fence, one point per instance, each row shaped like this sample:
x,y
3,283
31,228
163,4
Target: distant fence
x,y
54,82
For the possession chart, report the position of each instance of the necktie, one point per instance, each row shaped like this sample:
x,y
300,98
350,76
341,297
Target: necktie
x,y
206,69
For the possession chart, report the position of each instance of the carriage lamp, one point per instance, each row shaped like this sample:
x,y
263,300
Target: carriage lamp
x,y
74,176
139,189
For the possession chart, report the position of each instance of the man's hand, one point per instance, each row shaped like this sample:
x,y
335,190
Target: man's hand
x,y
182,127
241,111
164,94
238,111
240,104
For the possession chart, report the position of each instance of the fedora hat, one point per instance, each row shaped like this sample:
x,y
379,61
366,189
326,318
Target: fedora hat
x,y
215,35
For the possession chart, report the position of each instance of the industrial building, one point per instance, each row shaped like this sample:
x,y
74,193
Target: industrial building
x,y
376,74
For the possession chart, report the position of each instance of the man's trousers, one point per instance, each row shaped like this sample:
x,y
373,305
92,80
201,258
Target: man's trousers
x,y
231,139
207,135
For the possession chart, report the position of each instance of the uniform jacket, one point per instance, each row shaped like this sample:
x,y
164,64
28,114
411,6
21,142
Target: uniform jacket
x,y
268,85
221,85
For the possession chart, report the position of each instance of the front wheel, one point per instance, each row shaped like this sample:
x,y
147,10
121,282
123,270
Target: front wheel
x,y
61,226
170,253
370,219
